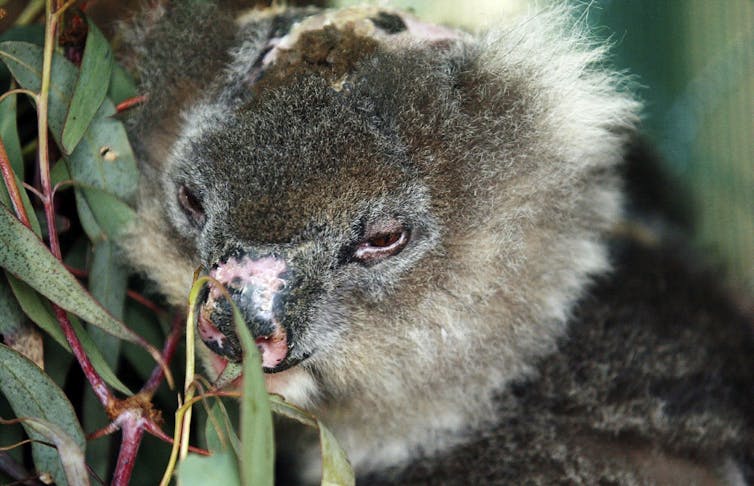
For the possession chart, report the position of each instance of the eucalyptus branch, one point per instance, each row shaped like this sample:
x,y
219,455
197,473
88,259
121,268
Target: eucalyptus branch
x,y
171,344
51,21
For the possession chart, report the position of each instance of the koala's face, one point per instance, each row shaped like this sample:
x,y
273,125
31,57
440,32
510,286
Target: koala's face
x,y
403,214
301,206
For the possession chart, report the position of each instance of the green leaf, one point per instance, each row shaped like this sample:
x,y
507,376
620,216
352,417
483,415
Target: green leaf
x,y
102,215
336,469
24,60
33,394
103,157
59,173
9,134
107,284
122,86
40,312
219,431
91,87
22,254
11,315
27,33
257,439
71,455
219,468
16,331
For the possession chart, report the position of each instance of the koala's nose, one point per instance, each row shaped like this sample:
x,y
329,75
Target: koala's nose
x,y
258,285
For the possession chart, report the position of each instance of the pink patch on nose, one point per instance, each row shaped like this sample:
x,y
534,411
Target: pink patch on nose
x,y
260,276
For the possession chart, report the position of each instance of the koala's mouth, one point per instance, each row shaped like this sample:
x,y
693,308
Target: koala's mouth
x,y
273,348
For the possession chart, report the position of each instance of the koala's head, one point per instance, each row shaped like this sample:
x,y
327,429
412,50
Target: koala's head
x,y
404,214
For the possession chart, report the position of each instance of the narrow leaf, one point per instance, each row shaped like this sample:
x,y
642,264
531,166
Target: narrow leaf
x,y
71,455
219,468
107,283
102,215
103,157
91,87
219,431
9,137
336,469
23,255
31,393
24,60
40,312
257,466
122,86
9,134
16,331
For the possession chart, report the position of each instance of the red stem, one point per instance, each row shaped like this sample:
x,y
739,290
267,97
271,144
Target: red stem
x,y
98,384
171,344
153,429
145,302
10,184
130,103
132,425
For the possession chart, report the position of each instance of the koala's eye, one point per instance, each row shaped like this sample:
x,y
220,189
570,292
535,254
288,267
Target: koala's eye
x,y
191,205
381,245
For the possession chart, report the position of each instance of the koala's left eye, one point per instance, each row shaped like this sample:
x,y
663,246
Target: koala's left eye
x,y
381,245
191,206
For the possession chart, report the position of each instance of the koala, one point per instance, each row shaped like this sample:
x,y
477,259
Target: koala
x,y
425,232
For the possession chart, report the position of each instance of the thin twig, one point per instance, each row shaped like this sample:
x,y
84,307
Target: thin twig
x,y
171,344
30,94
154,430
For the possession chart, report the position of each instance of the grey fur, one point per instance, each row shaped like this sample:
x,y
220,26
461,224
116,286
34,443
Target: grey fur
x,y
497,151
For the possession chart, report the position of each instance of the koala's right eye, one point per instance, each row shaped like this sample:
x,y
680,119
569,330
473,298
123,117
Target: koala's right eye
x,y
191,206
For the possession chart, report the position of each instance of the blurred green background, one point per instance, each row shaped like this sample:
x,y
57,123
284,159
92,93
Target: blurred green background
x,y
693,61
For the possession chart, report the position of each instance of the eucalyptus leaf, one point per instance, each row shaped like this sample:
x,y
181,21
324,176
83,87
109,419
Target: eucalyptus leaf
x,y
122,86
24,255
107,283
71,455
32,394
219,431
16,331
336,469
102,215
59,173
9,134
41,314
219,468
91,87
24,60
103,157
28,33
257,438
11,315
